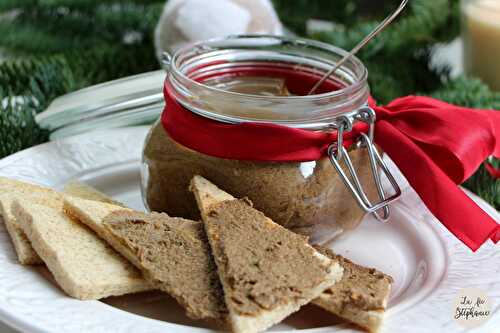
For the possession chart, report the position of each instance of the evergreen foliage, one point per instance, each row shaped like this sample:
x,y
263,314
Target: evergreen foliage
x,y
51,47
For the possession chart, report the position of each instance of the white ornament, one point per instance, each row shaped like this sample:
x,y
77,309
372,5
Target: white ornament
x,y
213,21
188,21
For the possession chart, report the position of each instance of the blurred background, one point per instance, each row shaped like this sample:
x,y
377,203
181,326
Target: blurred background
x,y
51,47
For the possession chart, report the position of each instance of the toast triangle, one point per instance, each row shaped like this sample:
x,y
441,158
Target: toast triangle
x,y
84,191
360,297
273,302
83,265
92,213
163,248
11,189
207,194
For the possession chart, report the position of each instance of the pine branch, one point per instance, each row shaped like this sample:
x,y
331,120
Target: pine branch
x,y
419,27
41,79
27,88
6,5
451,28
85,47
103,64
55,75
398,60
28,39
485,186
413,30
53,31
16,120
295,16
470,92
107,22
402,76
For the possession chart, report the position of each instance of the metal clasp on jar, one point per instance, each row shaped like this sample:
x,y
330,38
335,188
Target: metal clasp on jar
x,y
337,154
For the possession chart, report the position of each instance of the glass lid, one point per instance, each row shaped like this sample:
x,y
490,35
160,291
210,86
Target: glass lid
x,y
106,99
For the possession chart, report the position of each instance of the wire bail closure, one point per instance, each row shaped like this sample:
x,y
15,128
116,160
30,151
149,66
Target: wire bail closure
x,y
337,154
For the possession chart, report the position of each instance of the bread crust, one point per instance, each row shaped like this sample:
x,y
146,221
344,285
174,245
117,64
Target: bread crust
x,y
150,238
360,297
247,313
11,189
83,265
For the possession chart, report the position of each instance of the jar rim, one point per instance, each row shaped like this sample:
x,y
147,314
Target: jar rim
x,y
362,80
268,55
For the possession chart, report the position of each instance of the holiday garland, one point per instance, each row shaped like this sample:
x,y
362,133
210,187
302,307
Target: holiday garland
x,y
52,47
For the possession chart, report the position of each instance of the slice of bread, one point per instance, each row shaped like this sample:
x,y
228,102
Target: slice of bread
x,y
361,295
150,242
83,265
207,194
84,191
267,272
92,214
11,189
174,255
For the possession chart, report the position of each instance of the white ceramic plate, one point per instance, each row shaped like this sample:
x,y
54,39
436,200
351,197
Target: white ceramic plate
x,y
428,265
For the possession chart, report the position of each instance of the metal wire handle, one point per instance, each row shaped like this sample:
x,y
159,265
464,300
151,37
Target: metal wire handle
x,y
337,154
365,41
342,123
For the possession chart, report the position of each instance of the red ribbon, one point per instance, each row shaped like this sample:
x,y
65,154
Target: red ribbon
x,y
494,172
436,146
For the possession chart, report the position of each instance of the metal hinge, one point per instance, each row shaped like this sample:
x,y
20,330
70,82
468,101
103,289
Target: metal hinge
x,y
337,154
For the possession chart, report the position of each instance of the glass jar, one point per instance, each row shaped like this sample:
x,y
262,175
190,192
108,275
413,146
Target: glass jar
x,y
481,40
297,195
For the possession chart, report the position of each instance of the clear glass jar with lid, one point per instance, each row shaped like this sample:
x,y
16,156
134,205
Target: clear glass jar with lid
x,y
264,79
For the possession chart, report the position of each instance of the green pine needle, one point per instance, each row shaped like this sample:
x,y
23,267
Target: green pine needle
x,y
31,86
18,127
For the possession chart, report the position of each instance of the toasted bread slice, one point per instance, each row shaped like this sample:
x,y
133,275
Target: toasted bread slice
x,y
11,189
92,214
174,255
207,194
350,299
84,191
361,295
83,265
267,272
150,241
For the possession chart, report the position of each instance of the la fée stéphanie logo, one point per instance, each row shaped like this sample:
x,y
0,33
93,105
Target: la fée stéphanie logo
x,y
472,307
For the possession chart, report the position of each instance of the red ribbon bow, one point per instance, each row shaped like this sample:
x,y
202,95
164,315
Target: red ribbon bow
x,y
436,146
